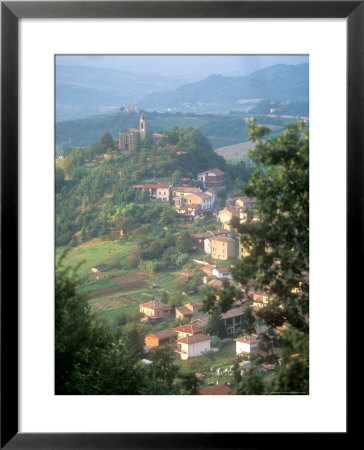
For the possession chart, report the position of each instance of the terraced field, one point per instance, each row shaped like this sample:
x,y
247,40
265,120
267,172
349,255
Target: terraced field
x,y
118,289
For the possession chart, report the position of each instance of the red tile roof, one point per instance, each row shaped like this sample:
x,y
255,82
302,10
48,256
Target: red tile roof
x,y
187,189
163,334
193,339
195,303
152,186
183,310
217,172
218,284
222,269
190,328
233,313
155,304
222,239
217,389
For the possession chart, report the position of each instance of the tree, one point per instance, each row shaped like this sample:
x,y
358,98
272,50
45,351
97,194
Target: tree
x,y
59,178
134,340
189,383
215,325
176,177
162,372
186,242
278,245
89,358
252,383
135,256
165,217
278,241
106,143
237,372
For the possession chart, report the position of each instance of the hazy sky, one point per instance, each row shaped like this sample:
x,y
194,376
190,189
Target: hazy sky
x,y
190,67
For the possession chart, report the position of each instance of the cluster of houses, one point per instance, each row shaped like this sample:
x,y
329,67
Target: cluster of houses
x,y
189,201
237,207
221,244
188,340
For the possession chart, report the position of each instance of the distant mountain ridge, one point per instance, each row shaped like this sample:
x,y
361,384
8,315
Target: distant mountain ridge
x,y
83,91
279,82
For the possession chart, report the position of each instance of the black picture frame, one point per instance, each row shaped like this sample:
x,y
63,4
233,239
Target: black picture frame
x,y
11,12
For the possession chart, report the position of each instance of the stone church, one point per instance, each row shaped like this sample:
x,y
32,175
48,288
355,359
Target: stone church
x,y
131,137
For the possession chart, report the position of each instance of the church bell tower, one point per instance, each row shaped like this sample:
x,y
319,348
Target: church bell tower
x,y
142,127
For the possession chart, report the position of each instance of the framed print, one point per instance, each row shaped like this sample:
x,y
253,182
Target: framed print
x,y
140,190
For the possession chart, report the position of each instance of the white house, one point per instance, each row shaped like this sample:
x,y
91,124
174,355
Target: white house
x,y
207,245
213,234
247,344
158,191
221,272
213,178
191,346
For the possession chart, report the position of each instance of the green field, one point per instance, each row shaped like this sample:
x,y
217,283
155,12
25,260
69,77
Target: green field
x,y
96,252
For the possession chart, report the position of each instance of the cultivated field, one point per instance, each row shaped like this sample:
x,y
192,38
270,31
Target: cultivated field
x,y
236,152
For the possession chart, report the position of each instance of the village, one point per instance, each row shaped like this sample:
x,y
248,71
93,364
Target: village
x,y
222,243
175,318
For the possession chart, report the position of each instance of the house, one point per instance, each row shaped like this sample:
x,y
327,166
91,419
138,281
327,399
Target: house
x,y
216,284
157,137
188,330
200,238
246,202
157,192
195,307
192,210
260,299
155,310
193,345
216,389
213,178
247,344
207,269
131,138
205,200
183,313
159,338
180,191
202,320
221,272
233,320
223,248
225,215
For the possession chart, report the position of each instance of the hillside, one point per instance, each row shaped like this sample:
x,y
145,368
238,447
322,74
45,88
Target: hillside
x,y
82,91
222,93
221,130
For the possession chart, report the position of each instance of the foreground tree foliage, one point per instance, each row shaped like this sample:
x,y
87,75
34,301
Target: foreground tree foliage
x,y
278,248
93,359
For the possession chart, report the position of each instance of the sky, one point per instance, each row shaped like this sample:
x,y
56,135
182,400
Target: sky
x,y
188,67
